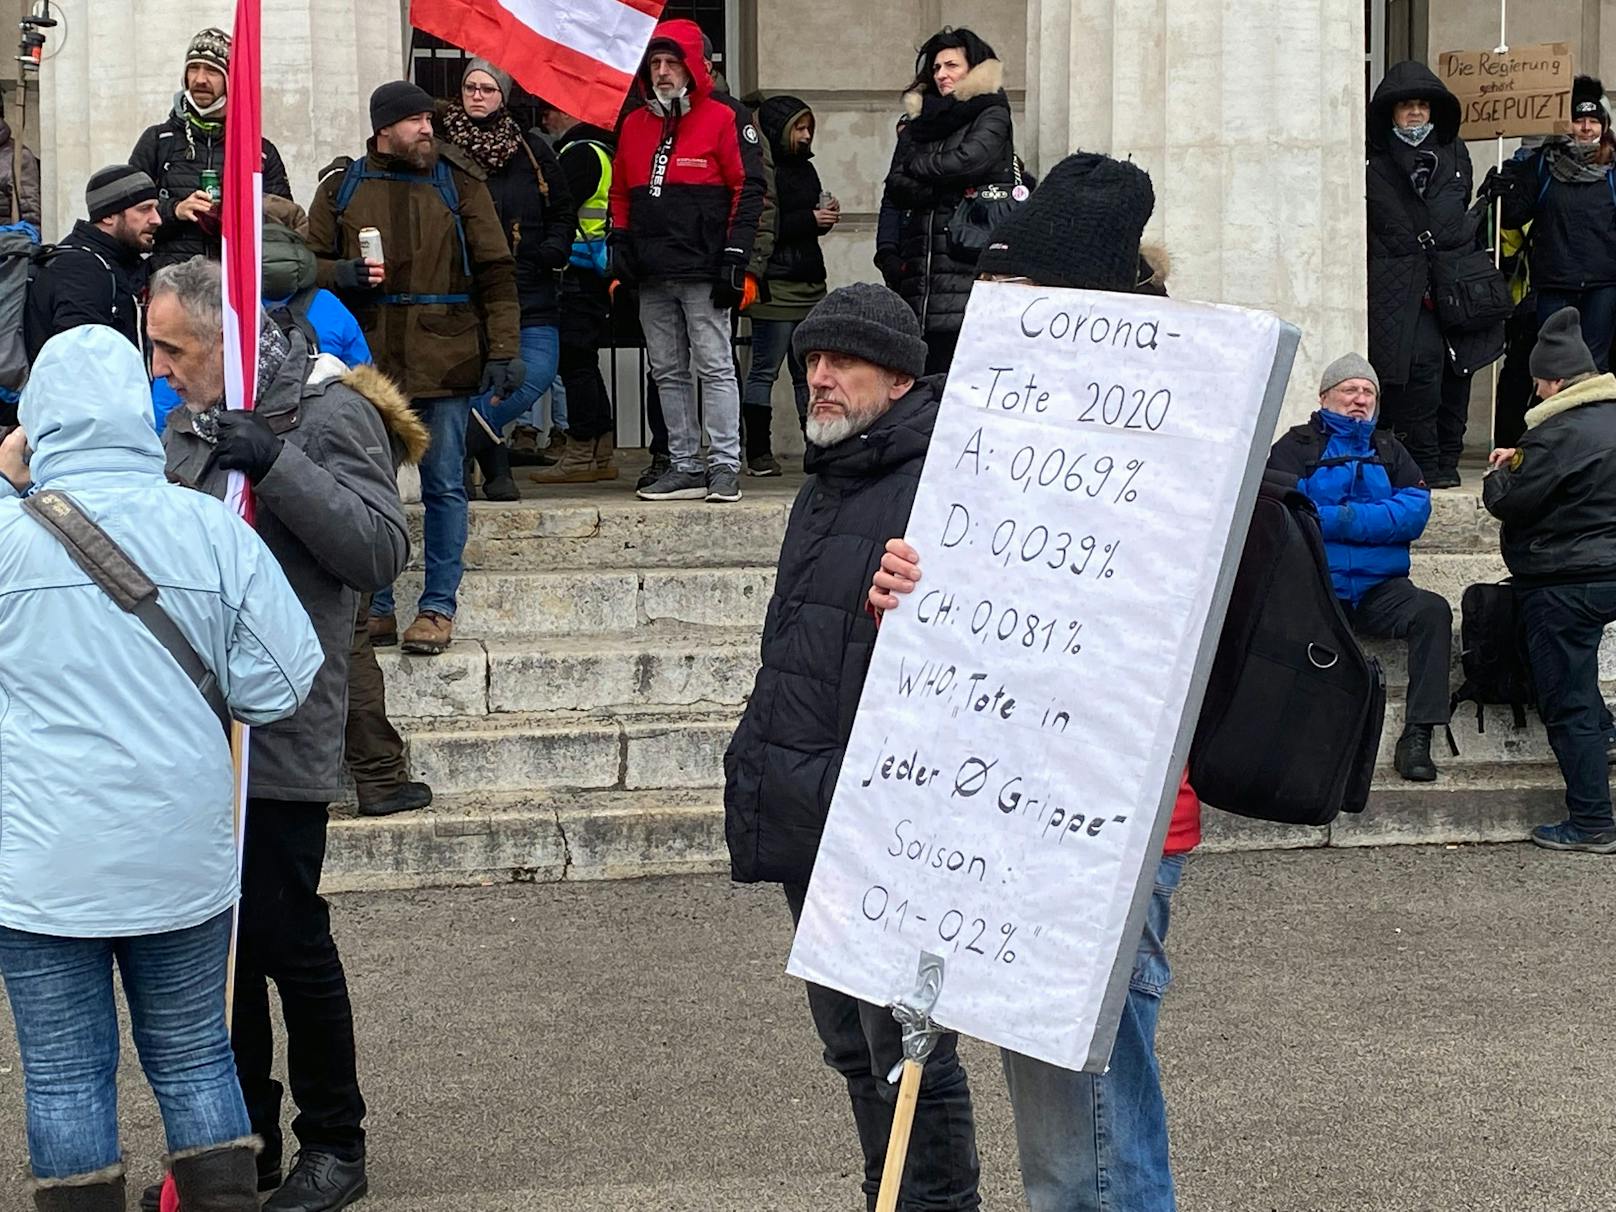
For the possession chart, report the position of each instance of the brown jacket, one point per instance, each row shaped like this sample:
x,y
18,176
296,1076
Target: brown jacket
x,y
433,349
19,195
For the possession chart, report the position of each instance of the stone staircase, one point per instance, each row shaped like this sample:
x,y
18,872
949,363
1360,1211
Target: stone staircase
x,y
605,647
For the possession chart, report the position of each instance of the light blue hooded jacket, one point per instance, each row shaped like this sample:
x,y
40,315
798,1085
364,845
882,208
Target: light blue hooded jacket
x,y
115,777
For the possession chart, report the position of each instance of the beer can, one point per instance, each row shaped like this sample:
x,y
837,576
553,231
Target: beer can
x,y
211,184
370,244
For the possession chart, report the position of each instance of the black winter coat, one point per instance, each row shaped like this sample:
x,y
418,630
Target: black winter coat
x,y
781,768
1573,223
1399,266
947,145
174,153
90,278
797,256
1557,500
538,226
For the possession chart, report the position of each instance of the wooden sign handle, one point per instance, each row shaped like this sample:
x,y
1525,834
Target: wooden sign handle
x,y
903,1122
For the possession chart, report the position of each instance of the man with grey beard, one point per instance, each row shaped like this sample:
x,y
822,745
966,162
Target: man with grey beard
x,y
869,423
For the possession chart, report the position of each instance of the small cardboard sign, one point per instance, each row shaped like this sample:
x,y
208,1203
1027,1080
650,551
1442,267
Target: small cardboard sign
x,y
1525,90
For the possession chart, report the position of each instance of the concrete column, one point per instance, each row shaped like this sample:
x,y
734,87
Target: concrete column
x,y
1249,117
114,66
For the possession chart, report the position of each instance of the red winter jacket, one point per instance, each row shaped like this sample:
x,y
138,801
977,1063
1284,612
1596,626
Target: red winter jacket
x,y
687,187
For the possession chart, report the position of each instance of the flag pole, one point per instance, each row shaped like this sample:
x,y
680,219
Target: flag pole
x,y
1498,237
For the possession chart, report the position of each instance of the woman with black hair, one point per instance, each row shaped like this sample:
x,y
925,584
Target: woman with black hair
x,y
956,135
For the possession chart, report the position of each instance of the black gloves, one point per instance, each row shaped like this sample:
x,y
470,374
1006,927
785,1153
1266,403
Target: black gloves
x,y
621,261
503,376
891,266
351,275
246,444
730,287
1496,185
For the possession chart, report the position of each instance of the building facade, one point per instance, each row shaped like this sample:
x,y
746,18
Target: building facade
x,y
1248,114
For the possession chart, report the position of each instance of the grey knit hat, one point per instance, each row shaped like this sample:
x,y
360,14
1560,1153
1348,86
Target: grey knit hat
x,y
864,321
1560,352
117,187
1348,366
503,79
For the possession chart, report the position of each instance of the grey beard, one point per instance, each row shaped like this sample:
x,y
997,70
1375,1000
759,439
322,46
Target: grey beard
x,y
831,433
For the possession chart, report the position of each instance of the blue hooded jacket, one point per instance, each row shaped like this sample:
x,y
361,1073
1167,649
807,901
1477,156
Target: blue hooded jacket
x,y
1371,498
115,778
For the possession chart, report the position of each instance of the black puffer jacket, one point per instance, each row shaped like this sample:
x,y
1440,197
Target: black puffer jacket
x,y
947,145
174,154
796,256
1558,499
538,222
782,765
89,278
1399,267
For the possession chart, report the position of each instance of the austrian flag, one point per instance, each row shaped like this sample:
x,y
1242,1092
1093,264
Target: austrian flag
x,y
580,55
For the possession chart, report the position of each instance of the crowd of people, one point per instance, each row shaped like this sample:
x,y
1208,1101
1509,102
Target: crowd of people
x,y
439,284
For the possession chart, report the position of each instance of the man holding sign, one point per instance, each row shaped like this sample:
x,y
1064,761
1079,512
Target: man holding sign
x,y
1088,1141
869,424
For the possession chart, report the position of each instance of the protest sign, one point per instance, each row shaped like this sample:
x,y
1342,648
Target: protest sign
x,y
1525,90
1028,709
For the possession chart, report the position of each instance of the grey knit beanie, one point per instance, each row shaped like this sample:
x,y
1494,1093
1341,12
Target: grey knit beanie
x,y
864,321
1348,366
396,100
503,79
1560,352
117,187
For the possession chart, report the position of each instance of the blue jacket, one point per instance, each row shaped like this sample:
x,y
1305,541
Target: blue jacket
x,y
334,329
1371,498
115,784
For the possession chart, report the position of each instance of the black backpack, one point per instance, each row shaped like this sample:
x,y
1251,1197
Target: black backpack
x,y
1492,645
1290,726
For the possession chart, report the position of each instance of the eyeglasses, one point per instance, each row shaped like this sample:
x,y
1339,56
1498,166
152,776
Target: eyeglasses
x,y
478,90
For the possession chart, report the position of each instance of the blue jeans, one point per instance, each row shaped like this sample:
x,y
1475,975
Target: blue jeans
x,y
558,405
1564,625
1597,307
1099,1143
684,332
541,347
443,493
67,1032
771,344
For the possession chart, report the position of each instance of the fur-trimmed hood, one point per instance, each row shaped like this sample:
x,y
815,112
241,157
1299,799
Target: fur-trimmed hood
x,y
1601,389
1155,263
986,77
404,427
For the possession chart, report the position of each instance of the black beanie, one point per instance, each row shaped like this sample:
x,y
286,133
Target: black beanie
x,y
397,100
1588,99
1080,228
1560,352
864,321
117,187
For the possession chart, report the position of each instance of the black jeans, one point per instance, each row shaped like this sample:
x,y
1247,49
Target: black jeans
x,y
862,1043
589,407
1428,414
1564,625
285,936
1399,610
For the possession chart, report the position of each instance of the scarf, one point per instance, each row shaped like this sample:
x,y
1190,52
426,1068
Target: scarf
x,y
1572,162
941,116
1414,135
490,141
273,350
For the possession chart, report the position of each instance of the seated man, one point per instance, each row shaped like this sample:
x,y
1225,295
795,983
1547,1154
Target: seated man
x,y
1372,504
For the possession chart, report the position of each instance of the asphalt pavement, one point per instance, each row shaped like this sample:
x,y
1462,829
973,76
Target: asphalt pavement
x,y
1409,1028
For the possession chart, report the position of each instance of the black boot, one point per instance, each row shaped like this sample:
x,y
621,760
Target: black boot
x,y
151,1199
1413,755
493,458
102,1191
220,1179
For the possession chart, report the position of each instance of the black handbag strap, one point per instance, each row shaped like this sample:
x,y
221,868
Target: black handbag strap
x,y
109,566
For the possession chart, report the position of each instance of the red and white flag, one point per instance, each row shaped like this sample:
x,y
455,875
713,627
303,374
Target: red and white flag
x,y
580,55
242,222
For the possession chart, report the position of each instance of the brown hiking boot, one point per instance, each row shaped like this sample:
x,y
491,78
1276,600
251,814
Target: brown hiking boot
x,y
605,457
577,466
383,630
429,635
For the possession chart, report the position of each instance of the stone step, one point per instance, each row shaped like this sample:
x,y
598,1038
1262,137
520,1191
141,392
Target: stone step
x,y
483,838
664,665
569,531
526,605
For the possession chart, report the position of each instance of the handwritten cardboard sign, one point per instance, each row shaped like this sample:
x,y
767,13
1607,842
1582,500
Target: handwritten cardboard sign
x,y
1526,90
1008,783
